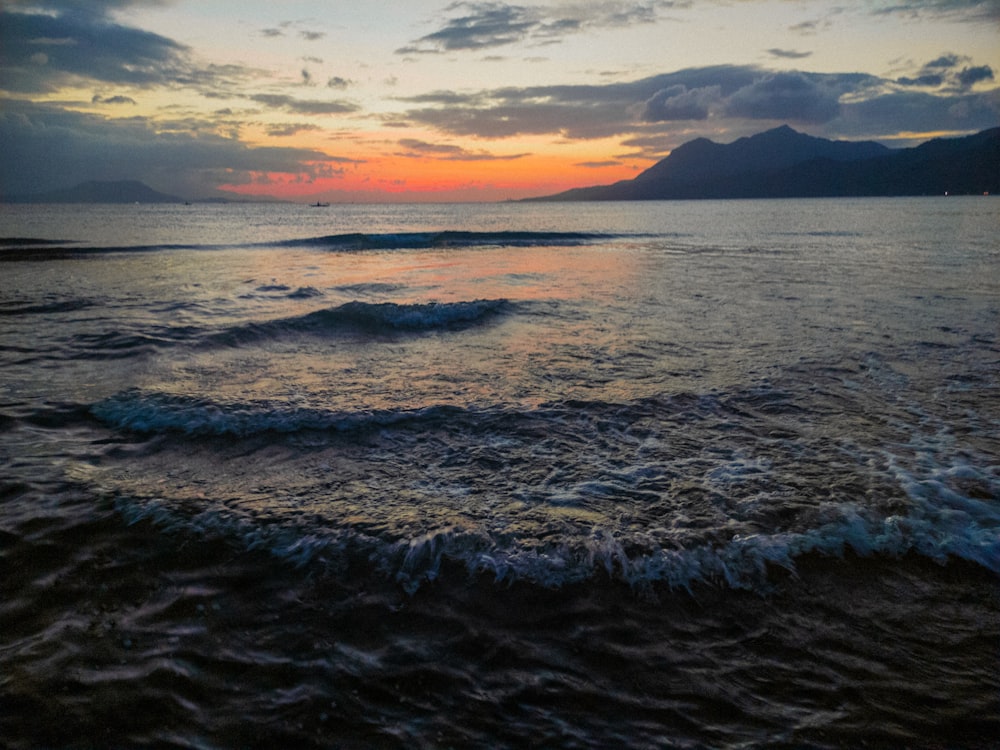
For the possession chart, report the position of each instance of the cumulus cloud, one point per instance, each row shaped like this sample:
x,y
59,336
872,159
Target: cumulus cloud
x,y
678,102
481,25
792,97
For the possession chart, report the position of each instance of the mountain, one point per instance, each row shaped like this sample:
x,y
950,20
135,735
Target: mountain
x,y
121,191
783,163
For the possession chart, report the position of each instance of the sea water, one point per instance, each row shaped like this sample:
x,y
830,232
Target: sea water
x,y
664,474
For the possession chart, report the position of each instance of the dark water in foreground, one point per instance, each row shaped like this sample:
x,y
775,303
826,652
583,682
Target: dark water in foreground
x,y
720,474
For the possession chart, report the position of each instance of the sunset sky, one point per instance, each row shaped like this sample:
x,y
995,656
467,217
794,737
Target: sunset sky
x,y
372,100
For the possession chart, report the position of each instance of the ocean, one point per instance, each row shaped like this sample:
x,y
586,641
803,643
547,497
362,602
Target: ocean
x,y
708,474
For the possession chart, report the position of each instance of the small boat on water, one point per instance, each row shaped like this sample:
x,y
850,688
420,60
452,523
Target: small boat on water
x,y
319,204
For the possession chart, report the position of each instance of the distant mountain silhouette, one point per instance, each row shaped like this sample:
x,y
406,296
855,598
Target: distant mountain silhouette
x,y
121,191
783,163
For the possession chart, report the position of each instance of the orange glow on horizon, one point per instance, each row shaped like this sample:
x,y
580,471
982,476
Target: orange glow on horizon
x,y
422,178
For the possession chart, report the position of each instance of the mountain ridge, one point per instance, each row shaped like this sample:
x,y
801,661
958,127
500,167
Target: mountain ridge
x,y
98,191
783,163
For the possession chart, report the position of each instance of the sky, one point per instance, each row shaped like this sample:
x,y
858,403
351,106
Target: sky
x,y
432,100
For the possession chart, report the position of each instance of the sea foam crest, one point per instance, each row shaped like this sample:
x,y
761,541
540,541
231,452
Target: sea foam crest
x,y
742,562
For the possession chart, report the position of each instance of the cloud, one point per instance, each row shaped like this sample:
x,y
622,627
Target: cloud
x,y
482,25
677,102
790,97
39,52
652,145
806,27
98,99
944,62
928,79
312,36
336,82
969,11
580,111
657,113
304,106
971,76
48,148
292,128
943,72
787,54
84,7
447,152
917,112
599,111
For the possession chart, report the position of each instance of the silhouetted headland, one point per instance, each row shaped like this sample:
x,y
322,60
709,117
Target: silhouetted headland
x,y
783,163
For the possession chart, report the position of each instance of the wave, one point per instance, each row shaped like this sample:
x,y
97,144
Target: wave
x,y
372,318
408,317
33,249
271,291
943,506
41,250
156,413
54,306
443,239
743,562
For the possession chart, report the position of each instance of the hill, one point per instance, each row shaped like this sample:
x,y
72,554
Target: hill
x,y
782,163
120,191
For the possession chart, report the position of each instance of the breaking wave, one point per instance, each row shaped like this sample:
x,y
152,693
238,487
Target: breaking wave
x,y
373,317
640,533
741,562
